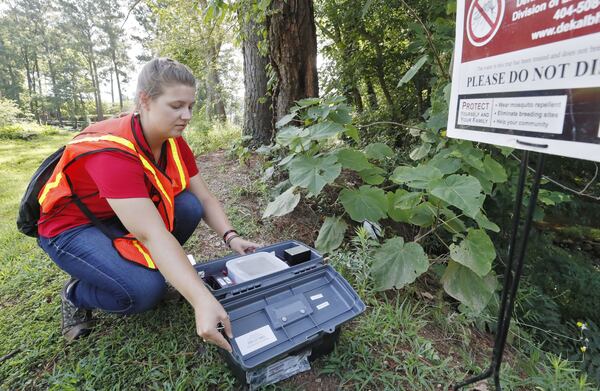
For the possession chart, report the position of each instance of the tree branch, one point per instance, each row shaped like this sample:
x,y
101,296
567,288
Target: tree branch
x,y
581,192
429,39
135,3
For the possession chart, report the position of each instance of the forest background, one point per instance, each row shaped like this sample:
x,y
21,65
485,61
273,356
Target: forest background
x,y
345,106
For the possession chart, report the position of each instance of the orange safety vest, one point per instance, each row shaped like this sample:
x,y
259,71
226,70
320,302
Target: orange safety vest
x,y
117,134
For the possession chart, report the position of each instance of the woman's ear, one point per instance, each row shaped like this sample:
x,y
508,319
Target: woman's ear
x,y
144,100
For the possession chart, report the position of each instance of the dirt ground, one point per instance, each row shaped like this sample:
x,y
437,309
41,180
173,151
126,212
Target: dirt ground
x,y
227,180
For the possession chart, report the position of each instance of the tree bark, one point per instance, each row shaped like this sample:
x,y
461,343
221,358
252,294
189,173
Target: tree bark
x,y
357,99
258,115
112,88
379,63
293,47
99,109
215,105
116,68
371,95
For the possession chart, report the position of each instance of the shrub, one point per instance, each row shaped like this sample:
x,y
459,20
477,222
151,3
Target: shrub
x,y
9,111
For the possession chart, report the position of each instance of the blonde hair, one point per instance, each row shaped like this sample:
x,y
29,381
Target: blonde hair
x,y
159,73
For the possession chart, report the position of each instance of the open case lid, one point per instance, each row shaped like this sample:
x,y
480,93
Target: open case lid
x,y
219,265
272,321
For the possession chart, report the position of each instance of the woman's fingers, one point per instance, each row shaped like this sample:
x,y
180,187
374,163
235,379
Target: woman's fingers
x,y
216,338
227,326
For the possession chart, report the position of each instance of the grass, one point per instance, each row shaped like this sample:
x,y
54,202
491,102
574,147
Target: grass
x,y
400,342
204,138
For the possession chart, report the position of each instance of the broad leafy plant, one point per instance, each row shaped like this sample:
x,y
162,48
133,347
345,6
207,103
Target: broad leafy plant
x,y
445,190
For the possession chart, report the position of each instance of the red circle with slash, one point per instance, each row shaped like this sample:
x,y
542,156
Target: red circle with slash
x,y
483,20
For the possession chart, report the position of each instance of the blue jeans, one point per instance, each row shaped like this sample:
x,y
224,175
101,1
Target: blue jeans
x,y
106,280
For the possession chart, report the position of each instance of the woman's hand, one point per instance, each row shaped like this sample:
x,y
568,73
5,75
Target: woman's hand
x,y
209,313
242,246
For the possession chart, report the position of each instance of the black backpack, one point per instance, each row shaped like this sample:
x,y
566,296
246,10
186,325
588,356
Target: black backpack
x,y
29,208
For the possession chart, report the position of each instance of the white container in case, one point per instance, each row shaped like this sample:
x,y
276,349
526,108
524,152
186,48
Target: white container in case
x,y
249,267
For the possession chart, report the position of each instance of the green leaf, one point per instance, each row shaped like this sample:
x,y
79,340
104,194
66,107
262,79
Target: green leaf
x,y
446,165
285,120
406,200
420,152
352,132
286,160
341,115
366,203
317,111
469,154
331,234
452,223
283,204
379,151
412,71
485,183
483,222
451,8
428,137
402,206
398,264
287,135
476,252
467,287
308,102
505,151
437,121
551,198
419,177
494,170
324,130
423,215
461,191
353,159
395,213
372,176
313,173
365,8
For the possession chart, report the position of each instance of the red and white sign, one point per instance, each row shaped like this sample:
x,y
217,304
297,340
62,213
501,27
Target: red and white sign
x,y
527,75
483,20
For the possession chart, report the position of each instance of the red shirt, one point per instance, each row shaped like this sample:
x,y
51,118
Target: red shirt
x,y
106,175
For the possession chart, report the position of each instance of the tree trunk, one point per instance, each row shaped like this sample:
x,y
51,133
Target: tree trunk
x,y
293,47
44,114
372,96
114,59
379,63
29,83
357,99
112,89
258,115
94,86
99,109
37,71
218,104
14,84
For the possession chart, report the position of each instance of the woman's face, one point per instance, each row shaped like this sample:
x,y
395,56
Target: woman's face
x,y
167,115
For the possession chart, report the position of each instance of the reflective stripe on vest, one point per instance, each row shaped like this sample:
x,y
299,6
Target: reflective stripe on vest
x,y
177,159
132,250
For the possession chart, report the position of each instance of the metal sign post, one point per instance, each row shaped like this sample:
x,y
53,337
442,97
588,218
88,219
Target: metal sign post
x,y
526,75
514,268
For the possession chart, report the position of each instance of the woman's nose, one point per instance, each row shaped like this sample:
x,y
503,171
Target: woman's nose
x,y
187,114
